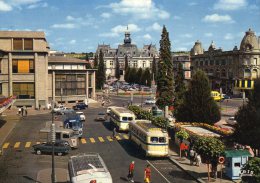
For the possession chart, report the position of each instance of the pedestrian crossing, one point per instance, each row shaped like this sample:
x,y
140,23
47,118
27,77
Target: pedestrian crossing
x,y
82,141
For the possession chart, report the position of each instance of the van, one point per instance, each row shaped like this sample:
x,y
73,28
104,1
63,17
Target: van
x,y
216,96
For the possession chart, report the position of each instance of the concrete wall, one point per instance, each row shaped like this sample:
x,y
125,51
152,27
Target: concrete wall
x,y
5,44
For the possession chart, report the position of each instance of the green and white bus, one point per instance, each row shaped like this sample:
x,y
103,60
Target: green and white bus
x,y
121,117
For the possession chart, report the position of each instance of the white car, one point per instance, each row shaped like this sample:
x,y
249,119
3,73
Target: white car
x,y
81,115
231,120
58,108
150,101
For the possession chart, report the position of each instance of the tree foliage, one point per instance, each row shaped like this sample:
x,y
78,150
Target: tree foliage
x,y
132,75
247,129
117,73
101,76
139,75
96,61
126,67
180,87
254,166
198,105
127,74
146,77
154,69
165,88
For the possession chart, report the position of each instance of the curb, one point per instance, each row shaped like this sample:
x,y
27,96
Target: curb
x,y
189,173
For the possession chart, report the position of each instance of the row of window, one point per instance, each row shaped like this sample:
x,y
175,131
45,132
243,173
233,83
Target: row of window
x,y
67,67
22,44
24,90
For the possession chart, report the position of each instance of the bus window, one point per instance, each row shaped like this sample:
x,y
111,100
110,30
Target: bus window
x,y
162,139
154,139
124,118
130,118
58,136
66,136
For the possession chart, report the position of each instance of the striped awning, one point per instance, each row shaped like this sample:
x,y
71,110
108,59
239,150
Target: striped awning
x,y
244,84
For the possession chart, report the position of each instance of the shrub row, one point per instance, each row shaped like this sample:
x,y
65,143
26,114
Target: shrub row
x,y
143,114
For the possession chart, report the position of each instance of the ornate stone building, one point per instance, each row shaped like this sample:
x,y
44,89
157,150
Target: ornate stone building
x,y
139,58
234,70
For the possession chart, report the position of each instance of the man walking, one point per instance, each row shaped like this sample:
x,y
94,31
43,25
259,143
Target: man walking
x,y
147,174
114,132
131,171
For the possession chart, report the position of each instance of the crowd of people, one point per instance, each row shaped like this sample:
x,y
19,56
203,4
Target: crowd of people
x,y
147,173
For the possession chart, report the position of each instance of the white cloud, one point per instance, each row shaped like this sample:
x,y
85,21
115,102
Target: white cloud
x,y
105,15
230,4
147,36
192,4
214,18
176,17
73,41
109,34
115,31
71,18
228,36
156,27
186,35
5,7
181,49
208,34
38,5
139,9
64,26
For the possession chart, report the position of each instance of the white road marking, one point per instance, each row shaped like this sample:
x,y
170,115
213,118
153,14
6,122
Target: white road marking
x,y
158,171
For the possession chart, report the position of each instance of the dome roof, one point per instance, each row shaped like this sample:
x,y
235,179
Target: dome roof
x,y
197,48
249,42
212,46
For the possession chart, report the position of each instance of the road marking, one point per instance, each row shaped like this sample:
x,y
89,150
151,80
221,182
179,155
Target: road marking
x,y
158,171
118,138
101,139
28,144
6,145
125,136
92,140
109,138
17,144
83,141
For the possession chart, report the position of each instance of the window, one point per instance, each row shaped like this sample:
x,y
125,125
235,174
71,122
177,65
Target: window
x,y
236,164
154,139
1,89
28,44
66,136
162,139
217,62
23,66
212,62
23,90
17,44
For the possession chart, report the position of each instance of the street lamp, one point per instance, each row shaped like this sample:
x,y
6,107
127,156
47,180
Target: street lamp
x,y
61,92
53,138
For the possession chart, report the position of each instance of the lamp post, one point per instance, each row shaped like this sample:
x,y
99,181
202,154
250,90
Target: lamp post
x,y
53,138
61,92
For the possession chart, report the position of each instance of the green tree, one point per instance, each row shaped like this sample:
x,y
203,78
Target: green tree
x,y
101,76
126,66
210,149
127,74
198,105
179,87
139,75
132,75
117,74
254,166
248,120
147,77
165,88
96,61
154,69
87,58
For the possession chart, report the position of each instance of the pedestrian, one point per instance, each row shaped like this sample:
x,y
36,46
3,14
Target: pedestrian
x,y
130,175
25,110
39,106
147,174
192,156
19,111
114,132
103,103
22,110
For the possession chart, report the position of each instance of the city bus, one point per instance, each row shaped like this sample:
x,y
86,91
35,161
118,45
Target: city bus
x,y
121,117
89,168
216,96
153,140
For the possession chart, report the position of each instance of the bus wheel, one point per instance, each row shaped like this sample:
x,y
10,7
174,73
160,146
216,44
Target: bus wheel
x,y
38,152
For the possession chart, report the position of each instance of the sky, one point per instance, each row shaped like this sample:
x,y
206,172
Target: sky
x,y
80,25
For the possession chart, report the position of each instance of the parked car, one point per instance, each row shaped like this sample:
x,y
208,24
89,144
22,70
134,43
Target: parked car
x,y
65,110
81,115
225,96
101,116
231,120
150,101
80,106
60,148
58,108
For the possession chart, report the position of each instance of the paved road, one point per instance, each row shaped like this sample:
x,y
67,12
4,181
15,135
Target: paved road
x,y
20,164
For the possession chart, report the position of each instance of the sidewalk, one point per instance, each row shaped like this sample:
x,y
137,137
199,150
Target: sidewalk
x,y
198,173
44,176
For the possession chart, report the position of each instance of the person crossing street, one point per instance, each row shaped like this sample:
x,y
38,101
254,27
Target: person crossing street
x,y
131,171
147,174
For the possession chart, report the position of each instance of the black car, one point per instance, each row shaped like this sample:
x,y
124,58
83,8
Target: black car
x,y
80,106
60,148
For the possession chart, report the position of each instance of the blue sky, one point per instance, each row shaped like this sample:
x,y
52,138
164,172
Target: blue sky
x,y
80,25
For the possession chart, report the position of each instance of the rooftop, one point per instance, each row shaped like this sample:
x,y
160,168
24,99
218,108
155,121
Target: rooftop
x,y
62,59
22,34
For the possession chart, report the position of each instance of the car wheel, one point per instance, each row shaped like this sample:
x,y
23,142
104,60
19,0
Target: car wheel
x,y
38,152
60,153
66,144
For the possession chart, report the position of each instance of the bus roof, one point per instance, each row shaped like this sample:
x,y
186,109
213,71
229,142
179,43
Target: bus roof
x,y
80,164
147,126
121,110
57,129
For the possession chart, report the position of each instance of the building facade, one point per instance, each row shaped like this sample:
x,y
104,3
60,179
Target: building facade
x,y
138,58
234,70
35,78
184,60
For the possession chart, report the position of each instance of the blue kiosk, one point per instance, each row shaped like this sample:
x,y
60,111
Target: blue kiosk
x,y
235,160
